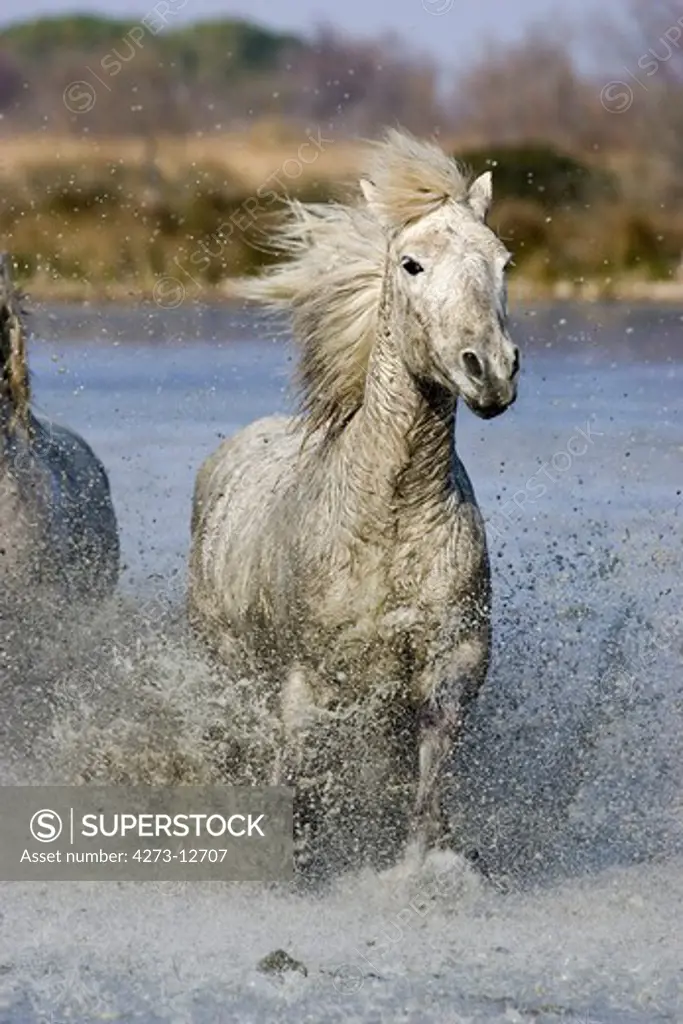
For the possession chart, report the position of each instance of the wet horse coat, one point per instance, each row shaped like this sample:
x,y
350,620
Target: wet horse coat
x,y
344,550
58,530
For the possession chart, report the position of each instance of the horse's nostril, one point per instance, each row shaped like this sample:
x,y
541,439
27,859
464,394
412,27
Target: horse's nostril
x,y
472,364
515,362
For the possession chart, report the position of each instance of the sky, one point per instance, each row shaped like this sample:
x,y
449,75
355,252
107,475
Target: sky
x,y
440,27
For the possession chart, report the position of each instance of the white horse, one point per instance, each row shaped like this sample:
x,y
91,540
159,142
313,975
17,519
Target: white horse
x,y
344,548
58,532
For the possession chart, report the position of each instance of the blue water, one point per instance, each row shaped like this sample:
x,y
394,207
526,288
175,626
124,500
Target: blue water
x,y
570,785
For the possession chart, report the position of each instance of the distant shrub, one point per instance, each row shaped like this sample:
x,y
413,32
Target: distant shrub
x,y
610,240
522,225
224,49
542,174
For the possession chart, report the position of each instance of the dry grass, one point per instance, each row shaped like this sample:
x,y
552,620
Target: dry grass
x,y
106,219
248,157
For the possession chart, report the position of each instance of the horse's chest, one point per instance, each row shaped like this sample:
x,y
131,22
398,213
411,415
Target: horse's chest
x,y
378,609
358,592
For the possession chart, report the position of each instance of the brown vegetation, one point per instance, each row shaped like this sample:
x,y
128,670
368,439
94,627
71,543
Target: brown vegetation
x,y
109,199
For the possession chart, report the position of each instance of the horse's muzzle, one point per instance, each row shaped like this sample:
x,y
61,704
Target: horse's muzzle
x,y
489,410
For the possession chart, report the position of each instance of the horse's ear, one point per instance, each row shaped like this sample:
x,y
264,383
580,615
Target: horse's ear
x,y
480,195
371,193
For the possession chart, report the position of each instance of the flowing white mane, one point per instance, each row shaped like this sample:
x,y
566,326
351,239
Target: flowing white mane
x,y
330,279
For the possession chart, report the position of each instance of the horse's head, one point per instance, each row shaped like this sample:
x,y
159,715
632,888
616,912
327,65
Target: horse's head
x,y
414,247
447,277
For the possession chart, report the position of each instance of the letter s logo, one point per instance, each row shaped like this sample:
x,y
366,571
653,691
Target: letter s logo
x,y
46,826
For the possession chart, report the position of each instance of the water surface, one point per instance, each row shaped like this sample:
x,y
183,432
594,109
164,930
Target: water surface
x,y
571,770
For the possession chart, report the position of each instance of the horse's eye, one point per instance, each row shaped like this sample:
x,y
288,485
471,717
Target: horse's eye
x,y
411,266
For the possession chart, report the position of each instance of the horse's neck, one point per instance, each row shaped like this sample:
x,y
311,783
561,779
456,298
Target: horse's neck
x,y
401,448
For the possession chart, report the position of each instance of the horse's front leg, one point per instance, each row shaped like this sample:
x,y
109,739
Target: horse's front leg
x,y
295,767
439,726
297,714
439,730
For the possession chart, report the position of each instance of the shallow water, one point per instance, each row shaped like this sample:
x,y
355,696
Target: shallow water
x,y
570,776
